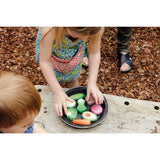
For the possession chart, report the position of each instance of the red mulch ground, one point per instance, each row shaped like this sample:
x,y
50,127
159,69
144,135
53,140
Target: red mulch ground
x,y
17,54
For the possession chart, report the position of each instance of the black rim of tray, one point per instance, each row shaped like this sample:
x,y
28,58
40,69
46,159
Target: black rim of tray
x,y
93,124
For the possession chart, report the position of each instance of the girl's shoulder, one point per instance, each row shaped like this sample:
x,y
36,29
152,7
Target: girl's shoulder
x,y
100,33
45,30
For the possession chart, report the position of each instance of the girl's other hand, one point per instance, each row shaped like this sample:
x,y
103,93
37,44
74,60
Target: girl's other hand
x,y
94,95
60,103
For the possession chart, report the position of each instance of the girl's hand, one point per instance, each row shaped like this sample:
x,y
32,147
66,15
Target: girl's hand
x,y
60,103
94,95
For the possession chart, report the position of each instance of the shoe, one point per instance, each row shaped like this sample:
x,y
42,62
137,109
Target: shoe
x,y
85,56
124,58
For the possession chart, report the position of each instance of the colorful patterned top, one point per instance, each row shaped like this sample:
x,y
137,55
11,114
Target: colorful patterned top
x,y
30,129
68,50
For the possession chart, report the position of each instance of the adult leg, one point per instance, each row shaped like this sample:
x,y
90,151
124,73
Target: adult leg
x,y
123,40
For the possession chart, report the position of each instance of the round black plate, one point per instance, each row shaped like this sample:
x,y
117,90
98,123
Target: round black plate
x,y
100,117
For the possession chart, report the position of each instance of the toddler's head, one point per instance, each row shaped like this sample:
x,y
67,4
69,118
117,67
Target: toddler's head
x,y
20,103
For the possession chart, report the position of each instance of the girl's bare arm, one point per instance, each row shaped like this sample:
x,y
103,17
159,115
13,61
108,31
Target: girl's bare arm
x,y
94,61
45,60
48,72
94,58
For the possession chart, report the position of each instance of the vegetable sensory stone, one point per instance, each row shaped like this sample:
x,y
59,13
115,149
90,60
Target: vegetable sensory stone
x,y
70,104
89,115
81,121
78,96
97,109
72,113
81,106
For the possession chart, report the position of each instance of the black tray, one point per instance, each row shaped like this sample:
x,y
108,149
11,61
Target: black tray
x,y
93,124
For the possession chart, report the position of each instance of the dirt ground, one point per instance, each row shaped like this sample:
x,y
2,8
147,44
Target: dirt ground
x,y
17,54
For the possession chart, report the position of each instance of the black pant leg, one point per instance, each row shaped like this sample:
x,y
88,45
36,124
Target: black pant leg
x,y
123,38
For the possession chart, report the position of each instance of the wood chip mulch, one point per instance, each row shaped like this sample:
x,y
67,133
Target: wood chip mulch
x,y
17,54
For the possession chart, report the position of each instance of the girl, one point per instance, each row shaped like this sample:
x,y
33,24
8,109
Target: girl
x,y
20,103
60,51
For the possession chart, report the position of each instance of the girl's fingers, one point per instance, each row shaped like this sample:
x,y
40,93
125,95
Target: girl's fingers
x,y
65,108
57,109
95,96
62,106
88,95
60,109
69,99
100,98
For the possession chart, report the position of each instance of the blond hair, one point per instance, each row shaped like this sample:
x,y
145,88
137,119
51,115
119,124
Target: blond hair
x,y
61,31
18,98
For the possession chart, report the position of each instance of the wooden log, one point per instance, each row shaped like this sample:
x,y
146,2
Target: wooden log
x,y
125,115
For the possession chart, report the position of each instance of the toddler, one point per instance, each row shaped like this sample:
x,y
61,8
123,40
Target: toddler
x,y
20,103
